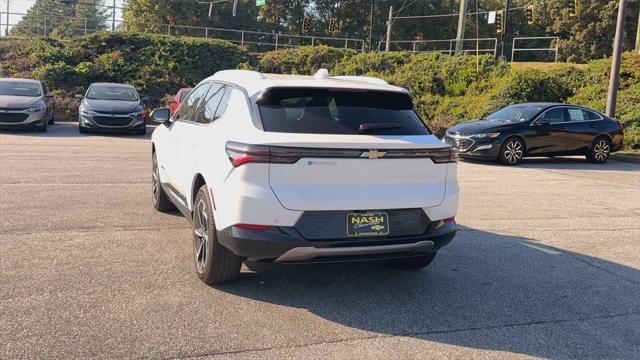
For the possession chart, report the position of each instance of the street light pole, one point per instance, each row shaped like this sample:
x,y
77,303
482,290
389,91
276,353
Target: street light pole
x,y
612,96
6,31
504,28
389,22
371,10
113,18
462,18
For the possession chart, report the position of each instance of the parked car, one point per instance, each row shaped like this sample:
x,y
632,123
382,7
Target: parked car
x,y
538,129
25,103
298,169
175,102
111,107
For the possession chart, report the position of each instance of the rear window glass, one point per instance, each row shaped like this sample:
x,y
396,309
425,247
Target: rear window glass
x,y
339,111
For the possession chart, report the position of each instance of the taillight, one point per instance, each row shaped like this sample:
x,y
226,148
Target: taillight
x,y
243,153
240,153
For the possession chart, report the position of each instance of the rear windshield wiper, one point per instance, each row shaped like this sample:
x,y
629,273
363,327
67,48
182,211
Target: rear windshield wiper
x,y
368,127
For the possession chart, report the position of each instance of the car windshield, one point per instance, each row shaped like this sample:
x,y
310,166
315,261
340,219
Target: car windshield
x,y
110,92
339,111
184,95
20,88
515,113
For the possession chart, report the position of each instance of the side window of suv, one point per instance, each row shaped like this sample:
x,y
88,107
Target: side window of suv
x,y
222,108
576,114
208,112
188,108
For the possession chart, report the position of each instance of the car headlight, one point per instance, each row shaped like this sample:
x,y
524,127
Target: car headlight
x,y
36,109
485,136
87,112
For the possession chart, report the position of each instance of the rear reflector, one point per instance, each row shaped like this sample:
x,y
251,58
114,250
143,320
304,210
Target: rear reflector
x,y
251,227
240,154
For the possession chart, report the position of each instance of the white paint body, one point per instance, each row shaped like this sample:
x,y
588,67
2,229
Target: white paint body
x,y
278,194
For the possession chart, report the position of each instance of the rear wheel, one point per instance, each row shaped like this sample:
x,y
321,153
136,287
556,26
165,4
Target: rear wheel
x,y
599,151
215,264
414,263
160,200
511,151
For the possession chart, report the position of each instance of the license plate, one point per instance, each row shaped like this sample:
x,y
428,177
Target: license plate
x,y
367,224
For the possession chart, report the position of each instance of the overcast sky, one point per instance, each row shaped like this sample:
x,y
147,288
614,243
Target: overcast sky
x,y
21,7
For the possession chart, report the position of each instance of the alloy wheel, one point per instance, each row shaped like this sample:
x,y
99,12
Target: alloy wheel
x,y
201,235
513,151
601,150
155,183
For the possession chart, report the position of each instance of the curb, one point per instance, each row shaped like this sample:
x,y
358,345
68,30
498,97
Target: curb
x,y
626,158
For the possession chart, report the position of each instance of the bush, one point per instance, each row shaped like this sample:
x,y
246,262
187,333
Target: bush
x,y
529,86
303,60
55,75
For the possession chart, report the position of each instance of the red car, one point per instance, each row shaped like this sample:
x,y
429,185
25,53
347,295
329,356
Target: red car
x,y
182,94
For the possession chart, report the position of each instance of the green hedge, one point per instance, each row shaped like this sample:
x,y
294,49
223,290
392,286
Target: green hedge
x,y
446,89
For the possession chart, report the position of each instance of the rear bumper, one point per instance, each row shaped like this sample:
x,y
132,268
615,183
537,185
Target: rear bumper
x,y
286,245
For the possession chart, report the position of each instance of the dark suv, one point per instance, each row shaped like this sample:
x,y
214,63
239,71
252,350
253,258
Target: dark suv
x,y
111,107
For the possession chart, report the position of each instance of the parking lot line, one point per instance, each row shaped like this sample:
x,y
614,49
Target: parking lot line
x,y
543,249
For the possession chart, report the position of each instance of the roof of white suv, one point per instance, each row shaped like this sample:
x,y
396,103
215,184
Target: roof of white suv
x,y
254,82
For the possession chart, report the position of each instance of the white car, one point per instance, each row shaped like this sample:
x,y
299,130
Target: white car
x,y
299,169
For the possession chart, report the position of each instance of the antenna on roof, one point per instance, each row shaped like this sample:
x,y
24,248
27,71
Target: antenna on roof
x,y
321,74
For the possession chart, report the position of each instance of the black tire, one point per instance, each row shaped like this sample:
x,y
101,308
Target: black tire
x,y
214,263
42,128
142,131
511,151
414,263
599,151
52,121
161,201
82,130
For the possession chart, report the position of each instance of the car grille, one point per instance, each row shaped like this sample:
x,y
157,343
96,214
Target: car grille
x,y
327,225
13,117
112,121
458,143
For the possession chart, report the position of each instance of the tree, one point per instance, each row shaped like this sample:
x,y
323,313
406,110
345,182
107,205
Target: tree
x,y
62,18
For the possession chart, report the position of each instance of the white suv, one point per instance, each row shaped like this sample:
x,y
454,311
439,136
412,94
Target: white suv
x,y
303,169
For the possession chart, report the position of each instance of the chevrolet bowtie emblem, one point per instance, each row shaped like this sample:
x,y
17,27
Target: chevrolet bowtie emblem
x,y
373,154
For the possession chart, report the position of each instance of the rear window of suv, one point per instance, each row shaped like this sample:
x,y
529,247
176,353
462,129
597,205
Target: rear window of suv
x,y
339,111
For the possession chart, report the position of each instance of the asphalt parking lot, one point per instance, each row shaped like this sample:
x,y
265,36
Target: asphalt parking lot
x,y
546,264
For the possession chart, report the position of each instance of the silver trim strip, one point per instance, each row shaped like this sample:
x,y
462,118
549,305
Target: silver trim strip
x,y
308,253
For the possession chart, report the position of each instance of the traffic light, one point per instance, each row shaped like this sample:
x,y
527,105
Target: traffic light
x,y
306,22
530,13
573,7
333,25
500,21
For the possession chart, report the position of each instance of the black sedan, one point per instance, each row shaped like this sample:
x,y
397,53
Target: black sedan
x,y
111,107
538,129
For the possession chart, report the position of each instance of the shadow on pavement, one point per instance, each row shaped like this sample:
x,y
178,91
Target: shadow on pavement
x,y
484,291
70,130
563,163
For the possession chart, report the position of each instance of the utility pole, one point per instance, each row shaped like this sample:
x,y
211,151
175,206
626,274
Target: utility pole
x,y
612,96
113,19
504,29
371,25
389,21
6,31
462,19
638,34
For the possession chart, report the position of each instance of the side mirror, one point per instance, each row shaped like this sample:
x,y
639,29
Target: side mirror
x,y
49,95
145,98
79,96
160,116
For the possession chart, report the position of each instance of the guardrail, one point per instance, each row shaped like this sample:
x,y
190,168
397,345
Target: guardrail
x,y
258,40
534,49
446,46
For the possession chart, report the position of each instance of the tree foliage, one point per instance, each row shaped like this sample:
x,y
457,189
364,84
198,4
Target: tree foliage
x,y
61,19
